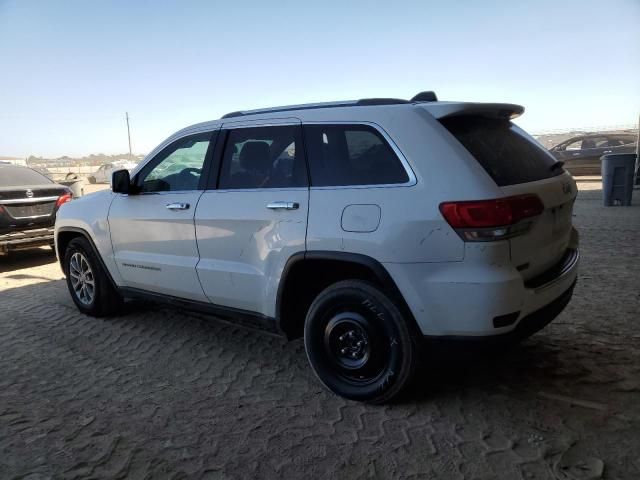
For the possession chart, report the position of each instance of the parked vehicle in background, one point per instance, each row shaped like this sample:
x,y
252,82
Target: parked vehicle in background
x,y
362,226
29,202
44,171
581,154
103,174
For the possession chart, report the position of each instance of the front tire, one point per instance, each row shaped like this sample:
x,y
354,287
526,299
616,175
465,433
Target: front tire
x,y
92,180
358,343
89,286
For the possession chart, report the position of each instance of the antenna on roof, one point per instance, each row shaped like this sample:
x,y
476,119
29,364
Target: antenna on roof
x,y
428,96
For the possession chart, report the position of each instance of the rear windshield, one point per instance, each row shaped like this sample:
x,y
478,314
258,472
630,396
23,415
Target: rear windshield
x,y
506,155
11,176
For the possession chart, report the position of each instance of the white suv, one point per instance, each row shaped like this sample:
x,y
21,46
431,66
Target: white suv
x,y
363,226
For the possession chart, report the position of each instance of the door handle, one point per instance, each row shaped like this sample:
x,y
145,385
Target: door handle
x,y
283,205
178,206
607,151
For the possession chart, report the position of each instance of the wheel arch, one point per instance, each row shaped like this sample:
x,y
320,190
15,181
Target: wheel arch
x,y
64,235
306,274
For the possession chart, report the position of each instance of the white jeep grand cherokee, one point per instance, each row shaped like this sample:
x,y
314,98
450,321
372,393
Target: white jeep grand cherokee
x,y
362,226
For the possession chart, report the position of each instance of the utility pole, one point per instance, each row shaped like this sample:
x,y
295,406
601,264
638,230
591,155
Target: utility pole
x,y
636,180
129,135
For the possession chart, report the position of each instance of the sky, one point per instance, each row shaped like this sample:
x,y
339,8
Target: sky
x,y
70,69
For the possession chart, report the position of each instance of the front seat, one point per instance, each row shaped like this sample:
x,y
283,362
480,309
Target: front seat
x,y
255,161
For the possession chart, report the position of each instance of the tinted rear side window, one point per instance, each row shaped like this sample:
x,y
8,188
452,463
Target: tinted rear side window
x,y
11,176
351,155
263,157
506,155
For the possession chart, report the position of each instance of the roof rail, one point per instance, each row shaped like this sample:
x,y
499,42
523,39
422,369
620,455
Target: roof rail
x,y
310,106
380,101
287,108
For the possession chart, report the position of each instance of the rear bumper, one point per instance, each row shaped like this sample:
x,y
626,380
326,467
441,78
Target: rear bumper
x,y
22,240
485,296
526,327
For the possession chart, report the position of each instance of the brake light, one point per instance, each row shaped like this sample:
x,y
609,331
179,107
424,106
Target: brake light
x,y
487,220
64,198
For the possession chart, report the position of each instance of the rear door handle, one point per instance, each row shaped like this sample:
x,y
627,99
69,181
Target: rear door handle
x,y
178,206
283,205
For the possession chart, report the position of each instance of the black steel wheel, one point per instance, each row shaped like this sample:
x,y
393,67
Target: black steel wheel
x,y
358,343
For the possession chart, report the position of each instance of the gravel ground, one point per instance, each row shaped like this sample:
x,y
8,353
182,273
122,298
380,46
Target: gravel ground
x,y
160,393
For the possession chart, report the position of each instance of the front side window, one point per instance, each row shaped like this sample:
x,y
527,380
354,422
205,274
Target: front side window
x,y
576,145
179,166
351,155
263,157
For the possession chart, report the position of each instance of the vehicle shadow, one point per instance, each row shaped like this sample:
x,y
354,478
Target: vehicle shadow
x,y
518,368
442,372
563,357
27,259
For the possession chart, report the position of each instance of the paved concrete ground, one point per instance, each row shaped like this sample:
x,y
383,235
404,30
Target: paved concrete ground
x,y
159,393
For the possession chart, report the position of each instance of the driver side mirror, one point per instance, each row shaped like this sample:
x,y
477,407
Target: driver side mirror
x,y
121,182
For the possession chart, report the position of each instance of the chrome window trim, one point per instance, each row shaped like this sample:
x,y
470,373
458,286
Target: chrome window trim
x,y
275,122
169,192
403,160
275,189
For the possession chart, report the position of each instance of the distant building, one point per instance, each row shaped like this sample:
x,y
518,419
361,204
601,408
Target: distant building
x,y
14,161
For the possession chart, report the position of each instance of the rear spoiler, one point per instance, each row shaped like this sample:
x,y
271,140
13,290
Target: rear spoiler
x,y
442,110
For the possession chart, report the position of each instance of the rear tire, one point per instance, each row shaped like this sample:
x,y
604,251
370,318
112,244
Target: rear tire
x,y
88,283
92,180
358,343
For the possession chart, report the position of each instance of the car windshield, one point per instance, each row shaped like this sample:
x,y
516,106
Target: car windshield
x,y
11,176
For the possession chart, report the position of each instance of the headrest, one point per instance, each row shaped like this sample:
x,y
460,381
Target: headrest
x,y
255,156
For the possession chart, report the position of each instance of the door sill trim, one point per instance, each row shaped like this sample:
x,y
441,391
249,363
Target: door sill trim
x,y
236,315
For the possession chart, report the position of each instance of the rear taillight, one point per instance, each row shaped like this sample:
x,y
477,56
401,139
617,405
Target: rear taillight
x,y
64,198
487,220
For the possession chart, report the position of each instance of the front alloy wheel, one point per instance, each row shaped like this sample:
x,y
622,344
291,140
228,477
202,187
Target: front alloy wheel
x,y
82,279
90,287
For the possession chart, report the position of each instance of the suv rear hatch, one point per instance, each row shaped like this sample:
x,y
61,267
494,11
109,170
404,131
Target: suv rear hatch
x,y
521,168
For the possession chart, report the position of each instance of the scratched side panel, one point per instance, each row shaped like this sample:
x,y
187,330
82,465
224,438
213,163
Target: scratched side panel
x,y
411,227
244,246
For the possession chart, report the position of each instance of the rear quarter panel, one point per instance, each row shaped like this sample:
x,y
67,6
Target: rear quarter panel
x,y
411,228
